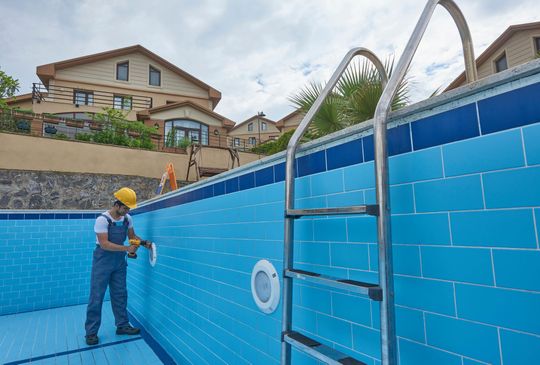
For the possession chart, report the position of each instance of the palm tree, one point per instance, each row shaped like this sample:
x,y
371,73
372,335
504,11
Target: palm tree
x,y
352,101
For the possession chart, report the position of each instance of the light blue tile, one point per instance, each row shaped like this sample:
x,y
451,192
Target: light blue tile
x,y
406,259
349,255
327,182
499,307
519,348
345,199
531,136
517,269
411,353
462,337
415,166
510,228
484,153
312,252
513,188
463,193
351,308
401,199
361,176
457,264
367,340
430,295
410,324
362,229
336,329
331,229
426,229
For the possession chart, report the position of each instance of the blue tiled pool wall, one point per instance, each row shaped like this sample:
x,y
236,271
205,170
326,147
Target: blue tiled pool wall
x,y
465,200
45,260
466,267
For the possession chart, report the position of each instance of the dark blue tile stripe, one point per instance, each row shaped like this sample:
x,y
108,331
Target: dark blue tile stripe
x,y
450,126
42,216
495,115
57,354
165,358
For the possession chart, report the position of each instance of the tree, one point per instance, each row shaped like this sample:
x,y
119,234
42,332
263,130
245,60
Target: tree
x,y
353,100
8,87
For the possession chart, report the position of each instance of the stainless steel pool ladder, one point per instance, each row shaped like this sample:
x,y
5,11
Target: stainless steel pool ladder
x,y
384,291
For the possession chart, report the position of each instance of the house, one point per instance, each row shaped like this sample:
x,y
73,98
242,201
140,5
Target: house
x,y
136,81
290,121
516,45
254,131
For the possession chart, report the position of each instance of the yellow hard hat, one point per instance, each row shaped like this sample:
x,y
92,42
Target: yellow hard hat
x,y
127,196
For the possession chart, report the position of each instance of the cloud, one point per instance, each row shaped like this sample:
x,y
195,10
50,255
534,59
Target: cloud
x,y
257,53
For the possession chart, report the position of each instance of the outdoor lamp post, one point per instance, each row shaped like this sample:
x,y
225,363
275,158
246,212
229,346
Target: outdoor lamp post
x,y
260,115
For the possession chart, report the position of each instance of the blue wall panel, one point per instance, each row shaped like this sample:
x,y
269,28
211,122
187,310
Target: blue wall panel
x,y
465,207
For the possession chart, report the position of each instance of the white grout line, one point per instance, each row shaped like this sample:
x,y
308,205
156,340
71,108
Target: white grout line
x,y
535,228
442,162
414,197
523,147
455,300
450,230
500,345
478,118
482,189
420,257
493,267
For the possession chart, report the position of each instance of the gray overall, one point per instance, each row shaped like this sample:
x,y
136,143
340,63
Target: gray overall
x,y
109,268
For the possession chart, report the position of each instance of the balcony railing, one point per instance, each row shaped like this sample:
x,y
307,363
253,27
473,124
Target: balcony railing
x,y
50,126
80,97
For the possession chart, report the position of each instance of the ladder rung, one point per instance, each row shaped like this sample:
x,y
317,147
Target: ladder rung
x,y
355,209
318,350
372,290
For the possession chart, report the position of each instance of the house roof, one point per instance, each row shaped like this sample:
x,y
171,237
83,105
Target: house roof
x,y
494,47
48,71
143,114
255,117
18,98
281,123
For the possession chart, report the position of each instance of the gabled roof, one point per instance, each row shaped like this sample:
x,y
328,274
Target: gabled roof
x,y
255,117
494,47
48,71
281,123
144,114
19,98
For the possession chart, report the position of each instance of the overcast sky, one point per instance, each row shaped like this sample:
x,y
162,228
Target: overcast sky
x,y
257,53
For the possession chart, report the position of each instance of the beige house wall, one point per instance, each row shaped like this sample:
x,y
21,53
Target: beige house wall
x,y
66,106
519,49
104,72
45,154
292,122
187,112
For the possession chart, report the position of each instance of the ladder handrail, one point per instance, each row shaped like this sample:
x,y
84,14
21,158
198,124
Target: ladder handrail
x,y
387,312
290,174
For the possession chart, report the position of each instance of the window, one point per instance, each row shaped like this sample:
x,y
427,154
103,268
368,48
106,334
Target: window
x,y
537,45
236,142
122,71
154,77
122,102
500,63
83,97
177,130
252,140
263,126
250,127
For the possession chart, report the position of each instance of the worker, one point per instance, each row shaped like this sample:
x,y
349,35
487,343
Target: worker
x,y
109,265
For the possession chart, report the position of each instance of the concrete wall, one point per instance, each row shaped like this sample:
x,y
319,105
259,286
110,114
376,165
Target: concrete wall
x,y
44,154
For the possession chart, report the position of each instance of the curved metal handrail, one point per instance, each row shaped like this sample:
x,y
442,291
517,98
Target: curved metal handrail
x,y
290,174
306,121
388,338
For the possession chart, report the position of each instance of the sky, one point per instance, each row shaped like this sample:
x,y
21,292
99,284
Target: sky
x,y
256,53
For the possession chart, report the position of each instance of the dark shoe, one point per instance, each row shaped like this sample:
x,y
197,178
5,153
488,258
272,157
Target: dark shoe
x,y
127,330
92,340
